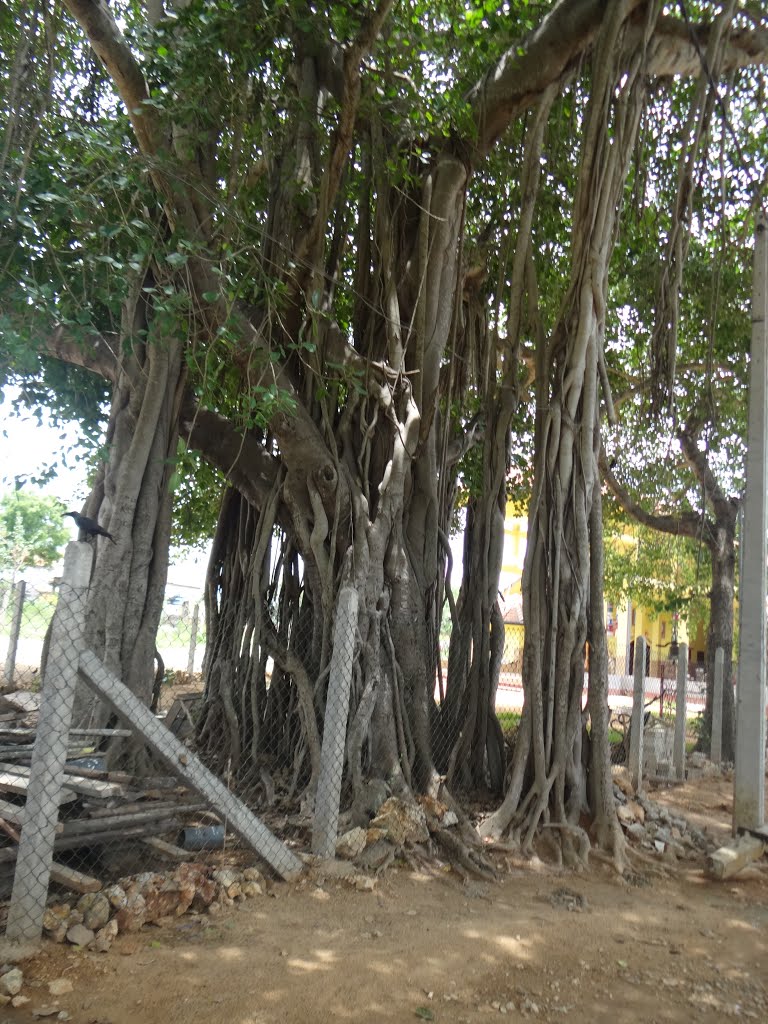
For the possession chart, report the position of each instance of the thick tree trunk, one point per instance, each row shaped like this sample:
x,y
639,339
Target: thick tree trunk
x,y
560,607
132,500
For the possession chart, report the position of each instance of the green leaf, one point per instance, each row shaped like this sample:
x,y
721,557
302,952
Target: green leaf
x,y
176,259
424,1012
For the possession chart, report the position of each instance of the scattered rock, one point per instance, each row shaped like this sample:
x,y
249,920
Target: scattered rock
x,y
105,937
45,1011
351,844
364,883
11,982
79,935
226,877
95,908
19,1001
253,875
626,814
132,917
403,822
251,889
59,986
116,896
621,779
55,922
636,831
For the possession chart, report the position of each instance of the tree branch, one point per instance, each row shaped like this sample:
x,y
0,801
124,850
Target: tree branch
x,y
240,457
688,524
112,49
724,507
99,353
672,51
563,38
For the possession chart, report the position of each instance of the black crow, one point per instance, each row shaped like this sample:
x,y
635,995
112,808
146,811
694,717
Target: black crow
x,y
89,526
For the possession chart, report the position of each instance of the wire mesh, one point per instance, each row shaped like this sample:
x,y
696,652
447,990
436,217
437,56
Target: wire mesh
x,y
293,714
97,791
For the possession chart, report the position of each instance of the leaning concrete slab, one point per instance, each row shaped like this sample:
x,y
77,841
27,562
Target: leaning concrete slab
x,y
186,765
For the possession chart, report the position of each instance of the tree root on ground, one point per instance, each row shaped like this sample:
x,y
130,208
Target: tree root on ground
x,y
585,846
466,860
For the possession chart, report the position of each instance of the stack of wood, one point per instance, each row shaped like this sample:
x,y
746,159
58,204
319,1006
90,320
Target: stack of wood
x,y
97,807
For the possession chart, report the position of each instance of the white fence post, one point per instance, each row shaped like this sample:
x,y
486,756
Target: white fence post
x,y
35,854
637,723
749,774
193,640
13,639
678,755
716,738
335,728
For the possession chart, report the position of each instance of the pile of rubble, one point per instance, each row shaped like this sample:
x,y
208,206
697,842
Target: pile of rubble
x,y
97,918
654,827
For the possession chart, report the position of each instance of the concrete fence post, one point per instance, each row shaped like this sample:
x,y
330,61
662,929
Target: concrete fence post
x,y
638,714
35,854
678,755
335,727
716,739
749,769
193,640
13,640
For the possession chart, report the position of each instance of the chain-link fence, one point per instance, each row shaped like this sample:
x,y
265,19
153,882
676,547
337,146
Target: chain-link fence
x,y
175,804
107,818
26,612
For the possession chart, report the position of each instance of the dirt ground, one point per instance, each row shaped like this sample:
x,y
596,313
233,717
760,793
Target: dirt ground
x,y
540,945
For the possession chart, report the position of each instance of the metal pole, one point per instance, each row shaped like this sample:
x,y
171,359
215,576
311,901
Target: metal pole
x,y
749,776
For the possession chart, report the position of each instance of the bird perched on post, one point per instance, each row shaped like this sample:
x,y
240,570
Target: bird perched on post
x,y
89,526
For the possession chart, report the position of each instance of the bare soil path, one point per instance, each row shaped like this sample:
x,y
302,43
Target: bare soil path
x,y
540,945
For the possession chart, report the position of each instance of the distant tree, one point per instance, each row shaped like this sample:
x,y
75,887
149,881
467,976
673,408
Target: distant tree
x,y
31,531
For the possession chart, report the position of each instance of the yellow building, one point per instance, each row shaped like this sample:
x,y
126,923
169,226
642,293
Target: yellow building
x,y
623,625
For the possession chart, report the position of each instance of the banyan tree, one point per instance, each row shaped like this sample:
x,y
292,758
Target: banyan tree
x,y
346,254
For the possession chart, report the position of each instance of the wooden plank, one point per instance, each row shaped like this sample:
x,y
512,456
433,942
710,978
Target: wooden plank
x,y
12,782
167,849
85,826
120,836
729,859
74,783
144,805
12,812
239,818
74,880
